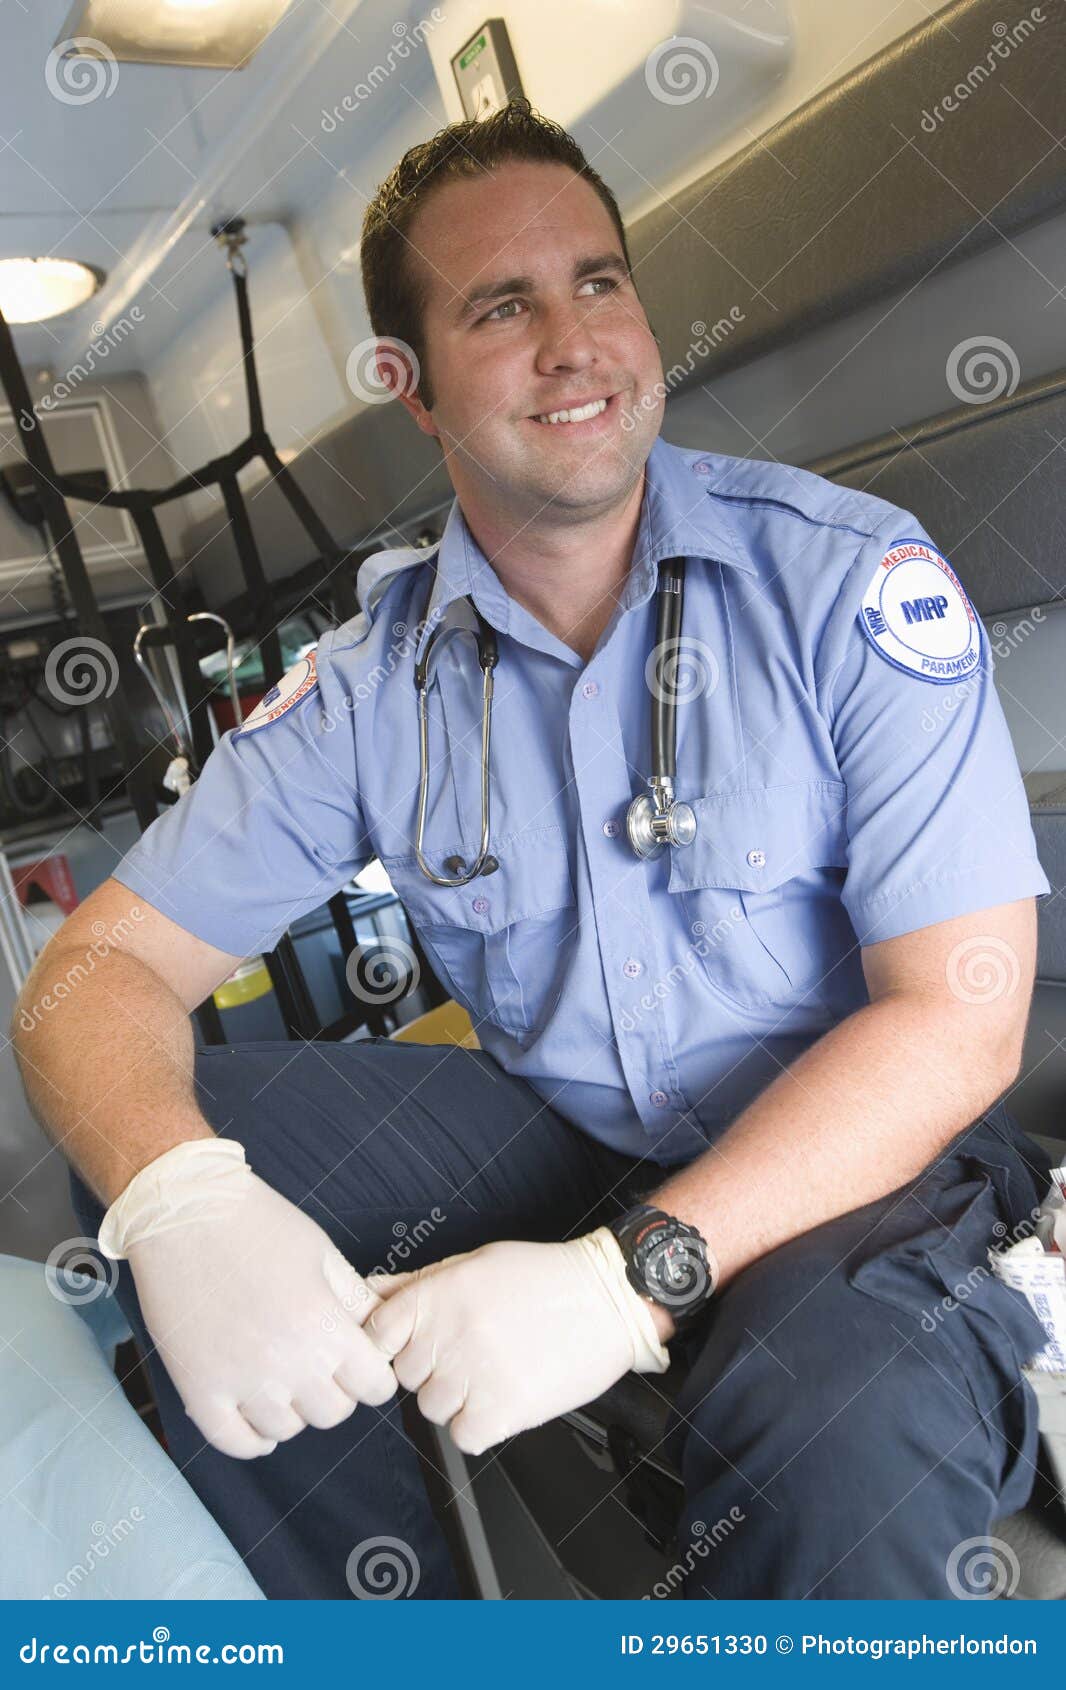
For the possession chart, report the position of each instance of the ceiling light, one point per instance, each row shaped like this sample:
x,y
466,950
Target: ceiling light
x,y
32,289
215,34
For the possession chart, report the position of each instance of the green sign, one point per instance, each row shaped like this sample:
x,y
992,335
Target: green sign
x,y
472,52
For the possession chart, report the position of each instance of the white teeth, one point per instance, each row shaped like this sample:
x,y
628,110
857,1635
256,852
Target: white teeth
x,y
582,414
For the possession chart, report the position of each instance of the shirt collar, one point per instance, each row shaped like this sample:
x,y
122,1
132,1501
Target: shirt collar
x,y
679,518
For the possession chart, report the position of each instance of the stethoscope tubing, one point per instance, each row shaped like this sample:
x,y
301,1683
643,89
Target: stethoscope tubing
x,y
669,613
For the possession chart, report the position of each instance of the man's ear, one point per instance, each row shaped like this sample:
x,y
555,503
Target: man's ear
x,y
399,371
397,367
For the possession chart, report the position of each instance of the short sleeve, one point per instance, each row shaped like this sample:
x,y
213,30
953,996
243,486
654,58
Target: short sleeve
x,y
271,829
937,817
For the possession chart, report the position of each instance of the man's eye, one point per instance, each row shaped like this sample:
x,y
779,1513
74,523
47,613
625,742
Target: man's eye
x,y
608,283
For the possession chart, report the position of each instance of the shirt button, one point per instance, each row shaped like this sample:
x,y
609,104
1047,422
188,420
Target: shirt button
x,y
756,859
659,1098
480,905
590,689
631,968
612,829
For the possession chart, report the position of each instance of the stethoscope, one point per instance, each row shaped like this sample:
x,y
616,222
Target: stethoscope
x,y
178,777
655,819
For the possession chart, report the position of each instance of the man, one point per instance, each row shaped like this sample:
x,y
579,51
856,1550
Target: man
x,y
770,1036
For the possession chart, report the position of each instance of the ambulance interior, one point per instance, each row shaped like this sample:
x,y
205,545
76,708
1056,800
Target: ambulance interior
x,y
852,248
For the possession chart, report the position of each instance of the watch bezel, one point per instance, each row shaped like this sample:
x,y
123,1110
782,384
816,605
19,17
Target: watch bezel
x,y
639,1231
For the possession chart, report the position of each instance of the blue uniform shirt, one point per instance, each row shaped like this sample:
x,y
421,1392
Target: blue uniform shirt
x,y
839,738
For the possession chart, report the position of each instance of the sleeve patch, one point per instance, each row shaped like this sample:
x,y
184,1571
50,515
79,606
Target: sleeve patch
x,y
294,686
915,612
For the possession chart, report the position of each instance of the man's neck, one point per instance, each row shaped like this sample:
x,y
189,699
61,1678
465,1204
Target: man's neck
x,y
568,575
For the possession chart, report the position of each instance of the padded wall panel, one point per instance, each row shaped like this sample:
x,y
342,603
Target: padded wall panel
x,y
850,197
989,484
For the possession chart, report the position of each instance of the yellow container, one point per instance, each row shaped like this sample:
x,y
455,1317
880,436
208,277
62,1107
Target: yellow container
x,y
250,980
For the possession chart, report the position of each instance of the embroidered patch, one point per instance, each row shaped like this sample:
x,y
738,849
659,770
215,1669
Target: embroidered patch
x,y
915,612
294,685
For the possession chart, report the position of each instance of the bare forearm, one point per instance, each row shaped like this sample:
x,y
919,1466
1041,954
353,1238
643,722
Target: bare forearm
x,y
107,1065
862,1111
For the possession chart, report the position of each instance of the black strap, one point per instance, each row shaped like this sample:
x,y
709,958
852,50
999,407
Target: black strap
x,y
142,503
68,551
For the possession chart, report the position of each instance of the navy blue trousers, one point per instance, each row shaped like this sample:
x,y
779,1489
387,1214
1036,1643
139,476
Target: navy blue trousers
x,y
853,1410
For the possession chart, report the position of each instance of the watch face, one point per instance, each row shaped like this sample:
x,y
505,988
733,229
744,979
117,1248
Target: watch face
x,y
677,1271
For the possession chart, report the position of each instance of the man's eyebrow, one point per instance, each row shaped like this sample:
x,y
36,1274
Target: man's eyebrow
x,y
584,267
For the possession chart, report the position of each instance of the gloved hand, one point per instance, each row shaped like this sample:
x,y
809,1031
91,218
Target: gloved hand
x,y
255,1313
507,1336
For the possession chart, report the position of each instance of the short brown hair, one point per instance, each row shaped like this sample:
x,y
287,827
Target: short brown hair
x,y
394,294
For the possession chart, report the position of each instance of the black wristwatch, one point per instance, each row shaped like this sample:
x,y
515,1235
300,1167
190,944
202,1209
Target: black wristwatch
x,y
666,1260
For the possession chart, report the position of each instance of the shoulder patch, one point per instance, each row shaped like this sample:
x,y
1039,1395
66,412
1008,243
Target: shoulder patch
x,y
916,614
294,686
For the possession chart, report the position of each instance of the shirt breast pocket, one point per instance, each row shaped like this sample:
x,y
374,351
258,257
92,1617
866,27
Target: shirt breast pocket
x,y
760,890
500,945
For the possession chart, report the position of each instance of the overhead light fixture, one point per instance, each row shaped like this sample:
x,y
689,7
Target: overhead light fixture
x,y
212,34
33,289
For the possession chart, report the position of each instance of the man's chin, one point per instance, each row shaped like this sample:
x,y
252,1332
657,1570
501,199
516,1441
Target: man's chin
x,y
590,488
573,481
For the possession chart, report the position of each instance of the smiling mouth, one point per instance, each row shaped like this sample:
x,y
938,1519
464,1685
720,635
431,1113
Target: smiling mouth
x,y
576,416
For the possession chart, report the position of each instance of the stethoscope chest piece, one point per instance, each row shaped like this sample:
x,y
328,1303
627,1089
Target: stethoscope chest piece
x,y
654,822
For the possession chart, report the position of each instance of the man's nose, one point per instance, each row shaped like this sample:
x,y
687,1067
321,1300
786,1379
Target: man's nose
x,y
566,339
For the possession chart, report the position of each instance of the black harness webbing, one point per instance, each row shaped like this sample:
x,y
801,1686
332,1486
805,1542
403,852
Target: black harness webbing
x,y
142,504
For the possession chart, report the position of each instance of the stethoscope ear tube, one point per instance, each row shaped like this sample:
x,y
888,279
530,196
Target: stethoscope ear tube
x,y
488,656
657,819
671,603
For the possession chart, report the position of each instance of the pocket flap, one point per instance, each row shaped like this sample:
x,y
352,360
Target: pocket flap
x,y
533,878
755,839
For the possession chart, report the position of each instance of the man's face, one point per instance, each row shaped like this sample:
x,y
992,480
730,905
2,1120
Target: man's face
x,y
529,310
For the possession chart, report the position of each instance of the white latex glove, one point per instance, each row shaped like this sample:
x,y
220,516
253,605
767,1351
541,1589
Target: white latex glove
x,y
255,1313
510,1335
